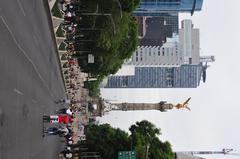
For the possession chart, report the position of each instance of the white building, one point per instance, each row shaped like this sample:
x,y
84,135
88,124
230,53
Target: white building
x,y
178,50
126,70
189,42
167,54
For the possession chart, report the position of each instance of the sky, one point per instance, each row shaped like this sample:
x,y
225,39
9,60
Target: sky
x,y
213,122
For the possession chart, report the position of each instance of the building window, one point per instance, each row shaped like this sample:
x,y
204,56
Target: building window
x,y
136,58
190,60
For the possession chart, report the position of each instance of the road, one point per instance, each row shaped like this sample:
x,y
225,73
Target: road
x,y
30,80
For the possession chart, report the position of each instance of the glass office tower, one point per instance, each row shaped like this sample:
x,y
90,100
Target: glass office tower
x,y
163,7
185,76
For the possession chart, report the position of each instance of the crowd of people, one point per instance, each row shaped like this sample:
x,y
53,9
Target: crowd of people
x,y
73,76
61,122
70,24
61,125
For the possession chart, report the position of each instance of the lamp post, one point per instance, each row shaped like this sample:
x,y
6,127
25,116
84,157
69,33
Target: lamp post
x,y
120,6
147,149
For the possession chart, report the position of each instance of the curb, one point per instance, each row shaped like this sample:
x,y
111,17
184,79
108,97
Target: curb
x,y
50,23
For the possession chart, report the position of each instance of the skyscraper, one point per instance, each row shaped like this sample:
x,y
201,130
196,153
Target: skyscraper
x,y
185,76
158,49
175,64
189,42
166,54
170,7
141,26
158,29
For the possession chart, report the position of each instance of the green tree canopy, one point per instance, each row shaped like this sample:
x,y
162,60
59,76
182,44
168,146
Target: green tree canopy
x,y
113,35
106,140
144,139
129,5
145,135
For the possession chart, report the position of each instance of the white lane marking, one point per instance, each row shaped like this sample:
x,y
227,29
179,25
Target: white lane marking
x,y
17,91
21,7
24,53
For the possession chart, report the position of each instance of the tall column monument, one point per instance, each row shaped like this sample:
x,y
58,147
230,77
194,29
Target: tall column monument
x,y
161,106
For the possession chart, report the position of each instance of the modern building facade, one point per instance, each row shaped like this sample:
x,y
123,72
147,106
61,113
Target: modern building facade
x,y
175,64
163,7
165,55
158,29
189,42
185,76
175,50
141,26
126,70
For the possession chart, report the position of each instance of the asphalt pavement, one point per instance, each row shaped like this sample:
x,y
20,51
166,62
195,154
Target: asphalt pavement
x,y
30,80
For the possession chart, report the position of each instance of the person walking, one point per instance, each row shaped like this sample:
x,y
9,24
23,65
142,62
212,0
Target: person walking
x,y
61,119
67,111
67,154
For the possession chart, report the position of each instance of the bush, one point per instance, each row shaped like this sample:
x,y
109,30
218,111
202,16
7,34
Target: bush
x,y
60,32
62,46
56,11
65,65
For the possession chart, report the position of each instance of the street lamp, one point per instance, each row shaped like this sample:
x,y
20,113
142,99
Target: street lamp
x,y
114,27
147,149
120,6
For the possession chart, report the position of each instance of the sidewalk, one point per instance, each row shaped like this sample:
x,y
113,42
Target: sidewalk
x,y
76,93
51,3
50,23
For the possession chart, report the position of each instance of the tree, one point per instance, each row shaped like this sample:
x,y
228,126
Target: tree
x,y
143,139
113,37
160,150
146,134
106,140
129,5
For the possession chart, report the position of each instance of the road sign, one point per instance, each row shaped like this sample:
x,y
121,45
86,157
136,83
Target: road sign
x,y
127,155
90,58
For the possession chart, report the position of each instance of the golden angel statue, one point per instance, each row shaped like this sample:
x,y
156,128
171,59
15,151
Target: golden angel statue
x,y
183,105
